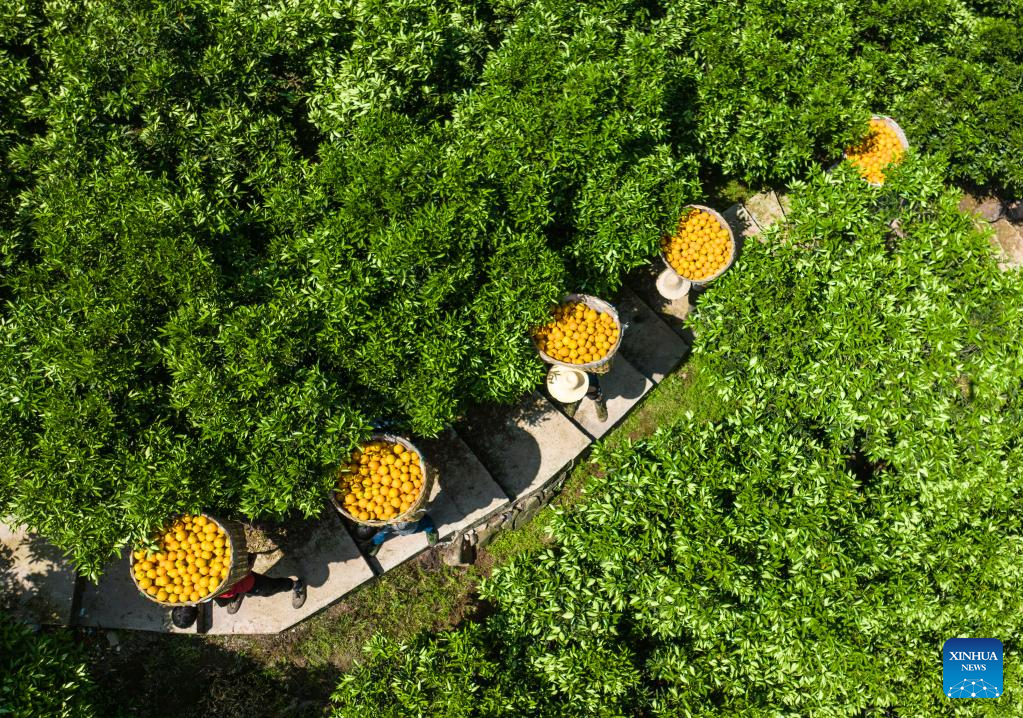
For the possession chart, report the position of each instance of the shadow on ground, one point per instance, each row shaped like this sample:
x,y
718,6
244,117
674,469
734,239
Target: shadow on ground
x,y
185,676
36,581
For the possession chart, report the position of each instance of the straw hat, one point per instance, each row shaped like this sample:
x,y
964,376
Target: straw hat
x,y
672,286
567,385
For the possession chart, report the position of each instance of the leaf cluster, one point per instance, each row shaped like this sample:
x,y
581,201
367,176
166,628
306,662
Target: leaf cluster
x,y
785,84
42,674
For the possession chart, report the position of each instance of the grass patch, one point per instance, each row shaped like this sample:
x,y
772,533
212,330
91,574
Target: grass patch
x,y
423,594
685,390
417,596
721,191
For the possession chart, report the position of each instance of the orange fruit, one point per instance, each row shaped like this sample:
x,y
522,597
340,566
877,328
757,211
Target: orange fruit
x,y
699,248
879,149
572,334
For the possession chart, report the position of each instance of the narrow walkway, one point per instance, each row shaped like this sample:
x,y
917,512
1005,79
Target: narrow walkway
x,y
496,468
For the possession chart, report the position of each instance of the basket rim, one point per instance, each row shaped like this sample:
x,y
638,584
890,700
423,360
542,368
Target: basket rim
x,y
898,133
600,305
220,587
423,491
731,247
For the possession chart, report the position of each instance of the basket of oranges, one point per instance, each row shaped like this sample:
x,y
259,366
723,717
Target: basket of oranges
x,y
702,247
194,559
584,334
884,145
385,481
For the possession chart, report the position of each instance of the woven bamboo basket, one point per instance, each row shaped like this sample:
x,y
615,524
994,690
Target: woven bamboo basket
x,y
898,133
603,365
731,244
416,509
239,563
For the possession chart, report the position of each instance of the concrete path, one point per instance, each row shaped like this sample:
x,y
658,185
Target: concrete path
x,y
648,344
36,582
522,446
326,558
498,461
623,386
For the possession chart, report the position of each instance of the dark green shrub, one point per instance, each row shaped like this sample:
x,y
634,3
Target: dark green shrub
x,y
42,674
963,107
786,84
778,92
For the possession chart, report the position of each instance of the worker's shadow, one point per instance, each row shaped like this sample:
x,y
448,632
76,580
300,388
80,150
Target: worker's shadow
x,y
308,554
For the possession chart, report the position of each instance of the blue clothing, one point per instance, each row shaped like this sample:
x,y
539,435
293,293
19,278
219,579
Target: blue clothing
x,y
403,529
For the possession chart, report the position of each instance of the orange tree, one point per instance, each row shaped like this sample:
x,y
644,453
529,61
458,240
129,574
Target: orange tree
x,y
234,238
785,82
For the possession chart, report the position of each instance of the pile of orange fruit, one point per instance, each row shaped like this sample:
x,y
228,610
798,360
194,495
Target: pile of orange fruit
x,y
192,561
880,148
380,482
577,334
700,248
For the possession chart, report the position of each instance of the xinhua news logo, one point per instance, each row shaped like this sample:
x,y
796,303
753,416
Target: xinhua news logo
x,y
972,668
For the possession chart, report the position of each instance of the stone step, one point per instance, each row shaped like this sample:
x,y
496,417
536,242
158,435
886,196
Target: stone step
x,y
764,209
623,386
115,602
986,208
464,494
37,583
325,556
1008,240
672,312
470,492
523,446
648,343
742,224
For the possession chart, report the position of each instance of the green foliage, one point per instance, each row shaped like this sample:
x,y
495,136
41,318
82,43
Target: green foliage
x,y
778,92
18,70
453,675
235,235
809,553
42,674
411,57
243,234
787,83
972,120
